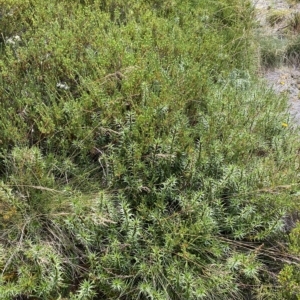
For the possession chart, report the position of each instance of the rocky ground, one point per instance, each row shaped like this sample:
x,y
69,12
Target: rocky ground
x,y
285,77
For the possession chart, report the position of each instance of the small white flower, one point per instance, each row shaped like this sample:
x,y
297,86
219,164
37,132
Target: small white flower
x,y
17,38
13,40
10,41
63,86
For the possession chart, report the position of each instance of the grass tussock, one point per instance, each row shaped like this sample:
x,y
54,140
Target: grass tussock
x,y
275,17
273,51
293,51
140,157
294,22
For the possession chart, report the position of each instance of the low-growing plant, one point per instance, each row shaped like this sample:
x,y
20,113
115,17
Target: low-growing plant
x,y
293,51
289,276
140,157
277,16
294,22
273,51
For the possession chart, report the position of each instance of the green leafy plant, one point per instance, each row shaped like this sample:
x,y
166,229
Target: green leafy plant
x,y
289,276
140,156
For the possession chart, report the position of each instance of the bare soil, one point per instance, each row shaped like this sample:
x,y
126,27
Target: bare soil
x,y
286,77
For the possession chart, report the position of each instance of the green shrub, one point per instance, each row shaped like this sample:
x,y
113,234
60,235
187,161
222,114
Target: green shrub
x,y
289,276
140,157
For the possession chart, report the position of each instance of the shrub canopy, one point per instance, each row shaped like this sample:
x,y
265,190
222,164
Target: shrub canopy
x,y
140,156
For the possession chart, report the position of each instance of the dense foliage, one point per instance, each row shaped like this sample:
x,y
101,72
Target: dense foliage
x,y
140,156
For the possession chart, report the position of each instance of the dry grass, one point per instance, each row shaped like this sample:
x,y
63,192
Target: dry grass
x,y
294,22
277,16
